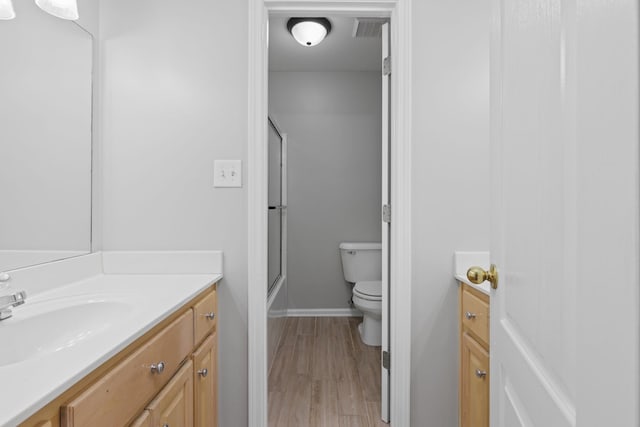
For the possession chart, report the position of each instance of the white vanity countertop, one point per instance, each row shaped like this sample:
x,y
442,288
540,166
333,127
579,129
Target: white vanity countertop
x,y
139,301
463,261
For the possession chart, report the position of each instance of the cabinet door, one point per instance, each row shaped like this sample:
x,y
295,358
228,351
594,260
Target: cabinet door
x,y
475,384
205,383
173,407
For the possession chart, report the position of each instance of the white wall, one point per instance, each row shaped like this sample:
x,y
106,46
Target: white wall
x,y
333,123
174,99
89,11
450,188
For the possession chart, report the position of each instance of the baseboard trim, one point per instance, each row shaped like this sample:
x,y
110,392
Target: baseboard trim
x,y
323,312
278,313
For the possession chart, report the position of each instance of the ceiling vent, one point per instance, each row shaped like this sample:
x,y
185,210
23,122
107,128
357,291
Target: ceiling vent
x,y
368,27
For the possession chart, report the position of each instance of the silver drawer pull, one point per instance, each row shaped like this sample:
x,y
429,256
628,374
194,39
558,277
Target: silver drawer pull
x,y
203,372
157,368
469,315
481,374
210,315
165,425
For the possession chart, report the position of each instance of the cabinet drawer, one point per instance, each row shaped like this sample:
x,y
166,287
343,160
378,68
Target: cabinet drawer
x,y
205,312
475,316
115,398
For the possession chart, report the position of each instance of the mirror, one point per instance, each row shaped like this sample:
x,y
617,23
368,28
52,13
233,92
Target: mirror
x,y
45,138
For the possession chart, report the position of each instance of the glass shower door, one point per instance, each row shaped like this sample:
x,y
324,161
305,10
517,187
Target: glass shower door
x,y
276,206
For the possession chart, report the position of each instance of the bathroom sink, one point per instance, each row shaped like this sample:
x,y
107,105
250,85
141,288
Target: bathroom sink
x,y
50,326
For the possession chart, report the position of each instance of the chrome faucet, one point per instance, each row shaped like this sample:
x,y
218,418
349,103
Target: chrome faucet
x,y
7,302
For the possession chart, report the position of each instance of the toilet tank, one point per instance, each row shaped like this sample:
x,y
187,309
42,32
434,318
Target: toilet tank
x,y
361,261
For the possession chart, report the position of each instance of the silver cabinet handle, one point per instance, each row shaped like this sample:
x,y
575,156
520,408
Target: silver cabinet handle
x,y
481,374
203,372
165,425
469,315
210,315
157,368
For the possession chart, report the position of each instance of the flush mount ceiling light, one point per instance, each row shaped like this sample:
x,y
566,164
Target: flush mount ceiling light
x,y
65,9
309,31
6,10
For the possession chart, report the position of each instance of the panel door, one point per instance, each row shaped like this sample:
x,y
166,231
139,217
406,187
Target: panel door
x,y
565,216
533,231
386,226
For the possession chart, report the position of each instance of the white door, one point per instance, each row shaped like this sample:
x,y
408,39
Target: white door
x,y
386,226
541,240
533,311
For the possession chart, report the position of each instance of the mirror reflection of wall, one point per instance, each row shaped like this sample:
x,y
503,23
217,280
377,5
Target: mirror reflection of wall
x,y
45,138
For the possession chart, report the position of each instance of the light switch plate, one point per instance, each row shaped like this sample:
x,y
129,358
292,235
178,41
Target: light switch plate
x,y
227,173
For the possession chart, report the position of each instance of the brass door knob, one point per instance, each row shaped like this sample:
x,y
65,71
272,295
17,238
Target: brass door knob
x,y
478,275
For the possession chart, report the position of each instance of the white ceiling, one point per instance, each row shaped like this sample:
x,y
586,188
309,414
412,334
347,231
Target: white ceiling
x,y
338,52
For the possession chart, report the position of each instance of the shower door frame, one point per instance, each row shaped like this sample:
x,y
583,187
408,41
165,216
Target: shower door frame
x,y
399,13
272,291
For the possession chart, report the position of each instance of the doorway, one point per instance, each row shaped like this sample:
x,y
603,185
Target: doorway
x,y
332,102
400,174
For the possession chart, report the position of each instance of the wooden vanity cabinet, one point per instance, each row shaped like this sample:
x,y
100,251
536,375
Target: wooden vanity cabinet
x,y
474,357
131,389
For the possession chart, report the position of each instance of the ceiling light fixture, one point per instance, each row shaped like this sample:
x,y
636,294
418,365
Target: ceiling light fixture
x,y
6,10
65,9
309,31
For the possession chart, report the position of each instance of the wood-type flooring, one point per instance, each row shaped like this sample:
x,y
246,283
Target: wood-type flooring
x,y
324,376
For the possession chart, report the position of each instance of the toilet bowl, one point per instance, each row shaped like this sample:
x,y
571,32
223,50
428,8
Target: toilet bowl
x,y
367,297
362,266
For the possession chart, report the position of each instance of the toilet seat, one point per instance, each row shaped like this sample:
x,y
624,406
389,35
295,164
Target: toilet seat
x,y
369,290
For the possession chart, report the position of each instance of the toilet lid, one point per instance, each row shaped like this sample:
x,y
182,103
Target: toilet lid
x,y
370,289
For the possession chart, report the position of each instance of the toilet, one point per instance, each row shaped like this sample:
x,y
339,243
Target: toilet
x,y
362,266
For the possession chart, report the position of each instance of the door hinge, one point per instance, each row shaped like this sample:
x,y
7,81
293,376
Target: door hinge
x,y
386,213
386,66
386,360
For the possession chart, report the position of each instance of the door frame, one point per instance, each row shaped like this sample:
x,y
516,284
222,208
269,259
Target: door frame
x,y
399,12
